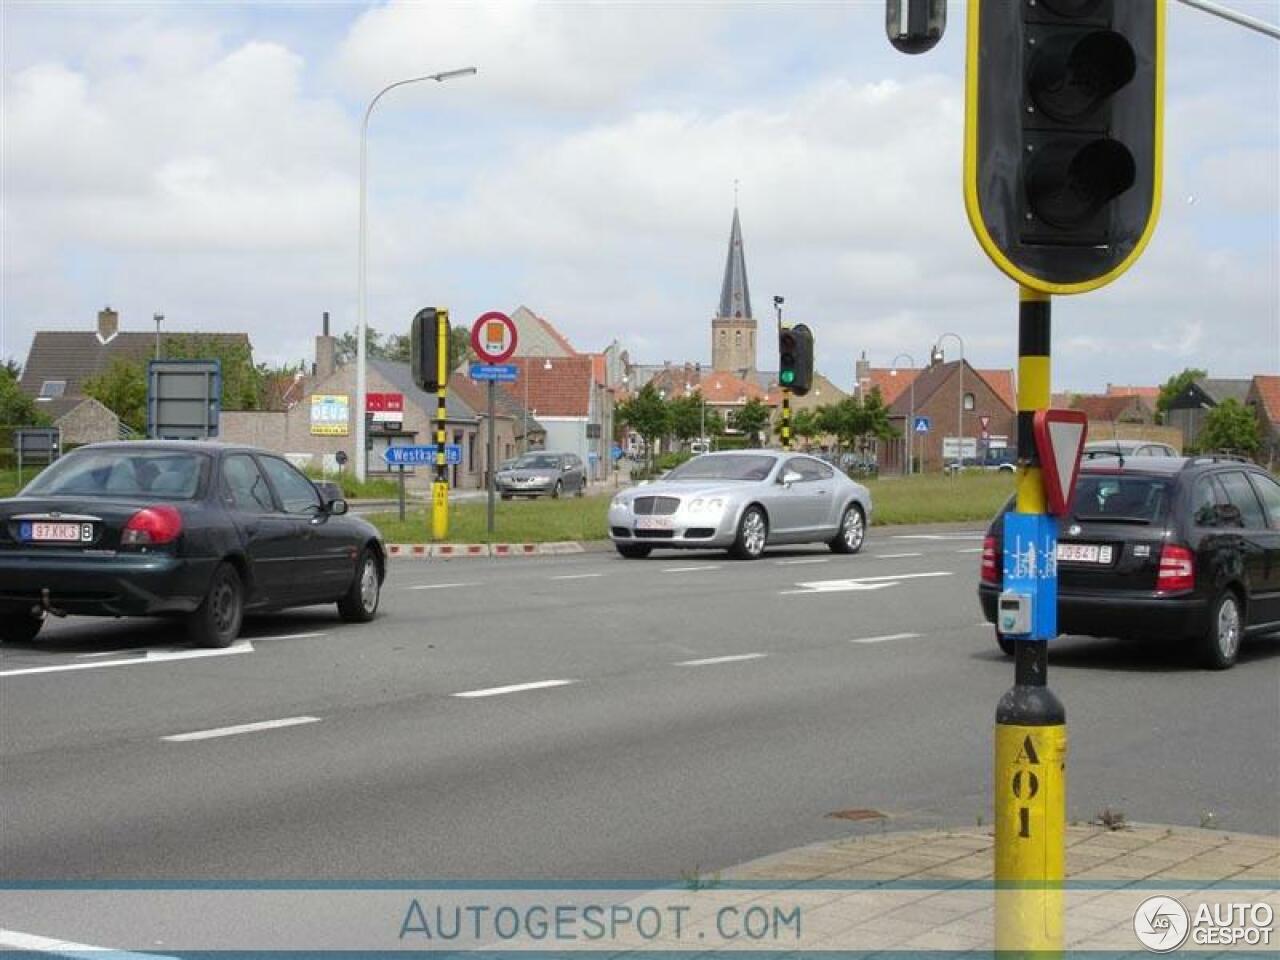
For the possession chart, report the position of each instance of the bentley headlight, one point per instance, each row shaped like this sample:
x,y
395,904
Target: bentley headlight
x,y
619,501
706,505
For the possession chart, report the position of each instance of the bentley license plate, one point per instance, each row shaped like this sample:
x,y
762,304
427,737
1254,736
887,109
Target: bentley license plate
x,y
653,523
1084,553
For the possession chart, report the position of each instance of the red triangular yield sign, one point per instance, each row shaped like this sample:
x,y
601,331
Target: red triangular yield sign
x,y
1060,436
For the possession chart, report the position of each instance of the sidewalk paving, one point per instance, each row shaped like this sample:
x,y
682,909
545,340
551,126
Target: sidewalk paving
x,y
925,890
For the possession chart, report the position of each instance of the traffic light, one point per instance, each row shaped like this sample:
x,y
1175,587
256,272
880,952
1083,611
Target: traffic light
x,y
795,358
915,26
1063,136
430,371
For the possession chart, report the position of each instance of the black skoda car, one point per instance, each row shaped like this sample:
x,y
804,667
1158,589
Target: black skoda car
x,y
1164,547
194,530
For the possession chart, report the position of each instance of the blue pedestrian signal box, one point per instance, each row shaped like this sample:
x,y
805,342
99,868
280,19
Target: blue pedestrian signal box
x,y
408,456
921,425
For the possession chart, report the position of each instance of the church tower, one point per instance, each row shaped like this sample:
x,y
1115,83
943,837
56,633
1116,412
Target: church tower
x,y
733,329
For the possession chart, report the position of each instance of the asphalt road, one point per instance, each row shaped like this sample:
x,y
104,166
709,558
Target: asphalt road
x,y
689,713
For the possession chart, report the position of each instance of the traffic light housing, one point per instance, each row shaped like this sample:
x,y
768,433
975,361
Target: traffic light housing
x,y
795,359
430,328
1063,136
915,26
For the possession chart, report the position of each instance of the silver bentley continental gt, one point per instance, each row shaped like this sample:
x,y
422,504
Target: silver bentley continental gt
x,y
742,501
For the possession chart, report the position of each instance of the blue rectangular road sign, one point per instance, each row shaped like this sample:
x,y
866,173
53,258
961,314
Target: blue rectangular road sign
x,y
407,456
1031,567
921,425
502,372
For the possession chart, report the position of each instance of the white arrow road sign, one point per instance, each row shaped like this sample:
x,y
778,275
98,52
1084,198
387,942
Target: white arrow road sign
x,y
861,583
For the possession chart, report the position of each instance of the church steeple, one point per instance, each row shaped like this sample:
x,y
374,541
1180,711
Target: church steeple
x,y
735,297
733,329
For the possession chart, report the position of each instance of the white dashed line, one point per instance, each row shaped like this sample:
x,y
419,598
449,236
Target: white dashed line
x,y
714,566
886,638
970,550
577,576
709,661
239,729
13,940
153,656
513,688
439,586
789,563
896,556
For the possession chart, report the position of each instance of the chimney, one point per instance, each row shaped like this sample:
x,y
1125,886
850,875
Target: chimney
x,y
108,324
326,351
861,374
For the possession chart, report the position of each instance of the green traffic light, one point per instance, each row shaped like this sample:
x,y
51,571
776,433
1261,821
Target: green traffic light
x,y
788,377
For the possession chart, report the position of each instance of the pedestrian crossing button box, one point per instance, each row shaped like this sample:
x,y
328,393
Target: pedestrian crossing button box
x,y
1014,617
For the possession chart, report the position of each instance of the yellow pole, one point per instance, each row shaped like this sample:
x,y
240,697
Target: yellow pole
x,y
1031,734
786,419
440,488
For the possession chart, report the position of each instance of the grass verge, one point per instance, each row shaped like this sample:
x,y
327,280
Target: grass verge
x,y
897,500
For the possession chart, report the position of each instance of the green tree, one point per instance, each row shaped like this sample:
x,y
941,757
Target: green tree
x,y
1230,427
241,381
854,422
686,416
345,348
752,420
647,414
460,347
804,424
122,389
16,408
1174,386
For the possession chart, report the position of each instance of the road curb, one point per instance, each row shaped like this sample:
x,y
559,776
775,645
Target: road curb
x,y
455,551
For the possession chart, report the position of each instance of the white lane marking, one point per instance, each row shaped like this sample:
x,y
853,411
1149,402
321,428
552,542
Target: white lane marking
x,y
862,583
886,638
896,556
938,536
512,688
788,563
969,550
577,576
240,728
714,566
708,661
153,656
104,653
439,586
15,940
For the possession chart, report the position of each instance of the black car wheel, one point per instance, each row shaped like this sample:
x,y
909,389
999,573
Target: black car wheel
x,y
19,627
633,551
753,534
360,603
853,530
1221,643
555,494
216,623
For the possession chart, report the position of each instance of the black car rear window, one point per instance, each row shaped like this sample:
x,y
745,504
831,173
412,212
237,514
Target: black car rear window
x,y
1121,498
163,474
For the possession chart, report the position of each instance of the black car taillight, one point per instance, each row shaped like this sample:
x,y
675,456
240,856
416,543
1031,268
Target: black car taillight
x,y
991,561
1177,569
152,526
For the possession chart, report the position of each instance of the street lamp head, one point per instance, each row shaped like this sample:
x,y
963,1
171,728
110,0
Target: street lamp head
x,y
451,74
546,364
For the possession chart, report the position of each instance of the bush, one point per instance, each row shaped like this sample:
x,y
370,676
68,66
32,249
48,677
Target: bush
x,y
373,488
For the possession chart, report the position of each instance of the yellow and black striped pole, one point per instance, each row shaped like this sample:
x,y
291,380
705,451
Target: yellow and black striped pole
x,y
1031,733
785,425
440,488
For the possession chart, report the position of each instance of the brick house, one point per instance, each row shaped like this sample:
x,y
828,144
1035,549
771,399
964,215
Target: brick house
x,y
61,361
987,393
1115,408
1187,410
1264,399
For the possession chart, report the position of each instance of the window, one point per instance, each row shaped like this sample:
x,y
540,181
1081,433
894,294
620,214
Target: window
x,y
1120,499
1242,497
1269,490
126,473
968,401
295,491
50,389
243,486
804,466
737,338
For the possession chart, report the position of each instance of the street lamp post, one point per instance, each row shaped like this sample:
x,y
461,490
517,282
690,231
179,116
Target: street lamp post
x,y
960,405
911,410
361,323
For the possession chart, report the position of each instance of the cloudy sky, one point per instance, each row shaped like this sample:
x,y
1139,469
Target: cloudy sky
x,y
201,160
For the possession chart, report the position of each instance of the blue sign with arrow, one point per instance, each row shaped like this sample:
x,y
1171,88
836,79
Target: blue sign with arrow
x,y
408,456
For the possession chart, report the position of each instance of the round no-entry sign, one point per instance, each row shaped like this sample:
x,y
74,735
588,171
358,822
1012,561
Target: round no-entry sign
x,y
493,337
